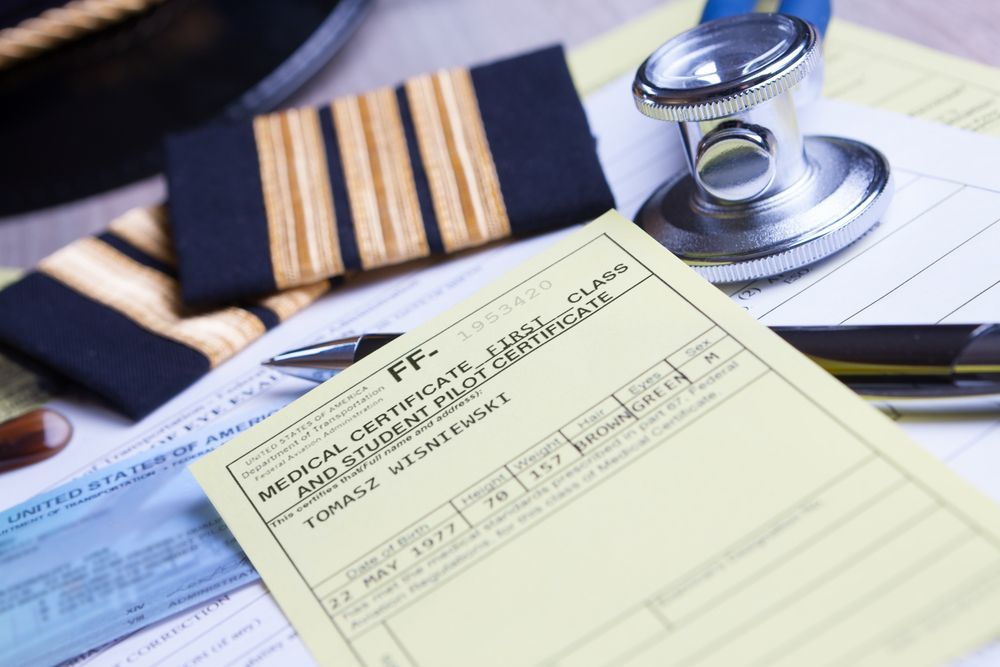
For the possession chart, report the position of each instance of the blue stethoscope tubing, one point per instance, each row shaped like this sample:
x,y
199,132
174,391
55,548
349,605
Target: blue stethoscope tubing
x,y
816,12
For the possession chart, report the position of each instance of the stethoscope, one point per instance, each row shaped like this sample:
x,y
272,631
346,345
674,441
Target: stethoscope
x,y
757,198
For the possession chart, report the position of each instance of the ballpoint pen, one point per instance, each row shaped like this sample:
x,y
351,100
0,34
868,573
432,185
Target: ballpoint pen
x,y
940,367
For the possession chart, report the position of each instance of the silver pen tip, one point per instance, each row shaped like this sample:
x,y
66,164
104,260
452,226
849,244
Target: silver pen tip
x,y
316,362
335,355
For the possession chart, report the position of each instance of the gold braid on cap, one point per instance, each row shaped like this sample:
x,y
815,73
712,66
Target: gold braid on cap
x,y
60,25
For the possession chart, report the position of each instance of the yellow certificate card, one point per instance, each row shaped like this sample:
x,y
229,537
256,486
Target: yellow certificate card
x,y
601,460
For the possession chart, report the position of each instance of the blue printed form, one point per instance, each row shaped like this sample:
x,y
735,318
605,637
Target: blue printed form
x,y
108,553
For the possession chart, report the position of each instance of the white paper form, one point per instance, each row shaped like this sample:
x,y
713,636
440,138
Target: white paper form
x,y
932,247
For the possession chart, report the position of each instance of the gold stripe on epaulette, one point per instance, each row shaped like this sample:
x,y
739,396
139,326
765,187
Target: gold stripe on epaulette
x,y
298,200
465,188
494,223
388,224
291,301
146,229
149,298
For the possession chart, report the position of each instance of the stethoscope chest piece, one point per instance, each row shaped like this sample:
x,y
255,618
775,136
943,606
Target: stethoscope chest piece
x,y
758,198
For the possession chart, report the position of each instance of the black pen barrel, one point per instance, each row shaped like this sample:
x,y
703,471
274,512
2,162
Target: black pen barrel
x,y
956,354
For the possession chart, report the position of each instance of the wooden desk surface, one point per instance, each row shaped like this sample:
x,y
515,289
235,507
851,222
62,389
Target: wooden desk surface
x,y
405,37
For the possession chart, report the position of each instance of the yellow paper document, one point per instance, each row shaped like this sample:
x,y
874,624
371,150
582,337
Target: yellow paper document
x,y
601,460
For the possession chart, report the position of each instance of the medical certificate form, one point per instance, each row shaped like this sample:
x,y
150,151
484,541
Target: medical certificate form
x,y
602,460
